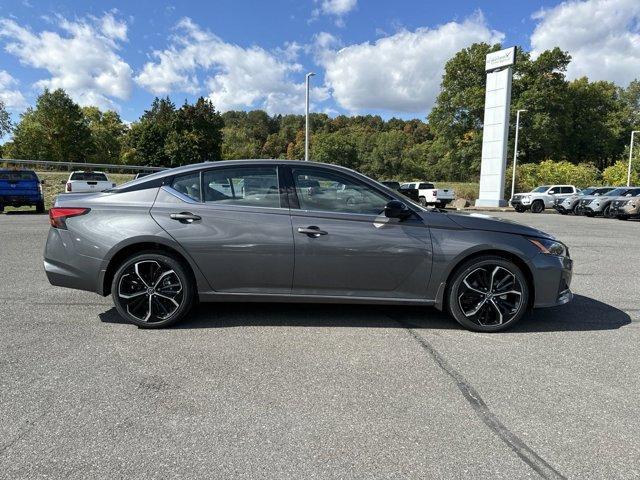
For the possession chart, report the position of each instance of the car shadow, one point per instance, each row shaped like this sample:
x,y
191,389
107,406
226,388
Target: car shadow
x,y
582,314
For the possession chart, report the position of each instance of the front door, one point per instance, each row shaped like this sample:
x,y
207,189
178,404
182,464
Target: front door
x,y
345,246
231,222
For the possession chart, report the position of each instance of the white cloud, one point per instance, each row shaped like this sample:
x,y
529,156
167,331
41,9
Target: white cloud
x,y
10,96
82,59
602,36
402,72
336,8
236,77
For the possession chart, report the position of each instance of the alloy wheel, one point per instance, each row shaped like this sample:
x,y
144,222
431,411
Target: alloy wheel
x,y
490,295
150,291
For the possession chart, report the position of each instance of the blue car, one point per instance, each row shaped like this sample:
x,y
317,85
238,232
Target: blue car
x,y
19,188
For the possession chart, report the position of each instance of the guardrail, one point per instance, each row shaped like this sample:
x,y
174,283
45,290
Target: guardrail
x,y
82,166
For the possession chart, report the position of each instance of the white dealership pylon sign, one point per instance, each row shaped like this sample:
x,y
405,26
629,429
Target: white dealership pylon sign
x,y
495,133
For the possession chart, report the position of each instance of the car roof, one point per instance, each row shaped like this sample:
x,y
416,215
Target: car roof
x,y
170,172
87,171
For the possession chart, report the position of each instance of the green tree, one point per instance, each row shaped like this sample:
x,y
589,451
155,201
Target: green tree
x,y
54,130
337,147
196,134
144,143
107,130
5,121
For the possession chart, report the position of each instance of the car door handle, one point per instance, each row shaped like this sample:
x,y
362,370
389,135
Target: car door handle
x,y
312,231
185,217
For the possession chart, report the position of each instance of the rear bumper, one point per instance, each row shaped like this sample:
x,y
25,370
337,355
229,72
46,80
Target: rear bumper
x,y
20,200
65,267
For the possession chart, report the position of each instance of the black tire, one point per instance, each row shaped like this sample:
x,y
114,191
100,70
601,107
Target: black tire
x,y
589,214
40,207
1,208
171,279
519,209
606,212
508,278
537,206
623,217
422,201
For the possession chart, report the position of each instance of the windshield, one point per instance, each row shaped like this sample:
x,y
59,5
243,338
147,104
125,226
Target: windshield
x,y
616,192
540,189
18,175
588,191
89,176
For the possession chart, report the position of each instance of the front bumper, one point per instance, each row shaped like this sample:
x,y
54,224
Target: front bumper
x,y
552,280
518,203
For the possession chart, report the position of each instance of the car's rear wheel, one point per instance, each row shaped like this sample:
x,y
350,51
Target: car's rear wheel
x,y
537,206
152,290
488,294
40,207
423,201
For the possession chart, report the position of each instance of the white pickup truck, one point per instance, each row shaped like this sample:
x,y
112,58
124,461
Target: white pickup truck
x,y
82,182
428,194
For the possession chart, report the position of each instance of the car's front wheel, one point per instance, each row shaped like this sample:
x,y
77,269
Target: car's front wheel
x,y
488,294
537,206
152,290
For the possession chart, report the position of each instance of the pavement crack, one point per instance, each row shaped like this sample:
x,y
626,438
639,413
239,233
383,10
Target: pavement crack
x,y
526,453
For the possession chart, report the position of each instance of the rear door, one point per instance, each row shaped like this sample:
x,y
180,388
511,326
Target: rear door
x,y
345,246
234,224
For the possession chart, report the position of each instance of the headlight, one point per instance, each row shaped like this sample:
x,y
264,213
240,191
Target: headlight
x,y
550,247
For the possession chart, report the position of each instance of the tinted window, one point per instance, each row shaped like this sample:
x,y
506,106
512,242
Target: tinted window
x,y
89,176
426,185
18,175
336,193
540,189
188,184
249,186
566,190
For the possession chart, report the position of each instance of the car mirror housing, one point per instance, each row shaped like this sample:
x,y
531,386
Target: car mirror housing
x,y
552,192
397,209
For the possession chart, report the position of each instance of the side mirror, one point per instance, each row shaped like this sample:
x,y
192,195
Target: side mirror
x,y
42,182
396,209
551,192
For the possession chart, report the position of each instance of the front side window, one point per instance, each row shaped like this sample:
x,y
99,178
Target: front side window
x,y
541,189
321,190
188,184
247,186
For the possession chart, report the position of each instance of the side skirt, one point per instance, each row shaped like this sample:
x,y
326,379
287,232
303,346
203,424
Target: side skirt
x,y
279,298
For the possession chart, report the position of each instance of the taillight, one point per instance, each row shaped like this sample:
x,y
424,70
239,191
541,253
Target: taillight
x,y
68,188
58,215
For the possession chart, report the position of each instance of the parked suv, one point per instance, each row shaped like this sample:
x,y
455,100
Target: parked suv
x,y
626,207
571,204
19,188
592,206
541,197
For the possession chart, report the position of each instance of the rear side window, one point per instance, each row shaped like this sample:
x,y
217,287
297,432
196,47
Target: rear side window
x,y
566,190
89,176
15,176
189,185
247,186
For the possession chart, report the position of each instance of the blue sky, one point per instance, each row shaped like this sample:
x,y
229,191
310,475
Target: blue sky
x,y
377,56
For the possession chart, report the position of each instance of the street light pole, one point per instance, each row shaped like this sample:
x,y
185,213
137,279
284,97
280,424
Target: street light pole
x,y
515,154
630,157
306,117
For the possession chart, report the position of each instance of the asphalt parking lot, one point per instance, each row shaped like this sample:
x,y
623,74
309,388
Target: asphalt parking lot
x,y
322,392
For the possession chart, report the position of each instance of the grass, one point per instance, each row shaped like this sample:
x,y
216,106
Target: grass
x,y
54,184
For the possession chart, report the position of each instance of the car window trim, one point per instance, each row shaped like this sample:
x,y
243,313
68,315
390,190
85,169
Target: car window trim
x,y
294,201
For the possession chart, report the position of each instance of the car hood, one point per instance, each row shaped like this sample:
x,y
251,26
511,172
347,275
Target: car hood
x,y
480,221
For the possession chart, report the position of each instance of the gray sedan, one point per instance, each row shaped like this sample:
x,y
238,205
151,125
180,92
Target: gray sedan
x,y
254,230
